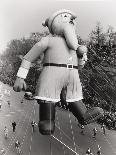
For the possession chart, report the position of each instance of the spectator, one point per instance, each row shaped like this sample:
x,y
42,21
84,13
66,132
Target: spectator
x,y
2,151
88,152
22,101
99,150
82,129
8,103
33,125
6,132
103,128
14,126
17,146
94,132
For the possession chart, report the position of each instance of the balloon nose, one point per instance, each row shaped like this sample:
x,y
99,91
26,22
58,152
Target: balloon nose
x,y
73,17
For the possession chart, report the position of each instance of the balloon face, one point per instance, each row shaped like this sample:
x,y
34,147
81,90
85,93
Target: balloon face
x,y
61,21
68,18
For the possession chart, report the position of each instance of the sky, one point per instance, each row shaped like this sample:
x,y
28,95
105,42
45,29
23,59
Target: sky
x,y
18,18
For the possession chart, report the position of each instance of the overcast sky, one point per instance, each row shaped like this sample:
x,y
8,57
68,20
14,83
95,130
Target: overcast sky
x,y
18,18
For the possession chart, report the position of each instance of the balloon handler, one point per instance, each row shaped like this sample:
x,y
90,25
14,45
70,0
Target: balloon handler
x,y
62,58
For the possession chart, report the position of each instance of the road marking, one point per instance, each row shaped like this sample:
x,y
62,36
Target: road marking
x,y
31,138
64,144
19,110
30,148
8,115
34,111
12,112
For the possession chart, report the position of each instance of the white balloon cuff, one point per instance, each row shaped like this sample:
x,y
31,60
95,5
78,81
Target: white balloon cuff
x,y
22,73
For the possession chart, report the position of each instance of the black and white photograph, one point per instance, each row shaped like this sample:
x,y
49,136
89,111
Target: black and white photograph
x,y
57,77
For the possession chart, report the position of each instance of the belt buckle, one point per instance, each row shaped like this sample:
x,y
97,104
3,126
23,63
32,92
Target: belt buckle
x,y
69,66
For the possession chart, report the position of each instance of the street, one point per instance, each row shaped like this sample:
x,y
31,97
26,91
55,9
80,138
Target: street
x,y
66,140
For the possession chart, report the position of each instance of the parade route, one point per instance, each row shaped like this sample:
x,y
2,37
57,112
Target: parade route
x,y
66,140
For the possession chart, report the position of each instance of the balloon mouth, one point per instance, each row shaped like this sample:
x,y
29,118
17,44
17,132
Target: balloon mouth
x,y
71,22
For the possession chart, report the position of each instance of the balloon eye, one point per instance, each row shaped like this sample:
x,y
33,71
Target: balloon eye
x,y
65,15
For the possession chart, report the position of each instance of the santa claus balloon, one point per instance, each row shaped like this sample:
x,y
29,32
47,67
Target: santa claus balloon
x,y
63,56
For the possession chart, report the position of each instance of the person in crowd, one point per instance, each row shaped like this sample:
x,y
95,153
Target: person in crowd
x,y
14,126
9,103
6,132
22,101
17,146
33,125
103,128
2,151
99,150
94,132
82,129
88,152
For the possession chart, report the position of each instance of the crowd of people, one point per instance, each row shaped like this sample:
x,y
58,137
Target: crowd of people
x,y
17,143
89,152
109,120
94,136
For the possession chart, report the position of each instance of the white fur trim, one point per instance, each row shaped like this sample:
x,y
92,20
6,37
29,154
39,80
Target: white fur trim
x,y
26,64
22,73
46,99
73,100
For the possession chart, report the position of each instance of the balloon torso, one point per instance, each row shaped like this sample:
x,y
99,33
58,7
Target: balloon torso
x,y
58,52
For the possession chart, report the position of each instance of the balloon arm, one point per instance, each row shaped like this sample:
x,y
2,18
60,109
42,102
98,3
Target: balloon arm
x,y
32,56
37,50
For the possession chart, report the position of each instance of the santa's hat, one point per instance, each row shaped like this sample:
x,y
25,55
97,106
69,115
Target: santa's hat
x,y
48,22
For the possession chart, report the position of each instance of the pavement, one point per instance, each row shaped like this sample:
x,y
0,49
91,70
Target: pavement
x,y
66,140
